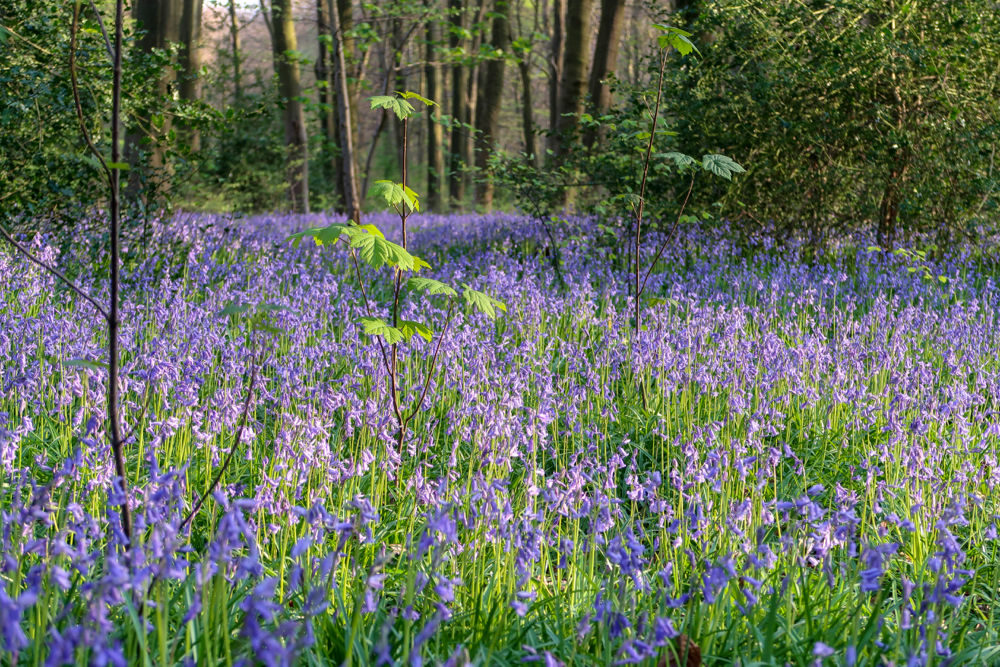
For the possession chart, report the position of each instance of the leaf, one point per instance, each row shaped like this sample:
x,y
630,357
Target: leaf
x,y
398,106
372,229
483,302
87,364
122,166
373,326
430,286
321,235
419,264
720,165
676,38
395,194
679,159
233,308
410,95
378,252
409,328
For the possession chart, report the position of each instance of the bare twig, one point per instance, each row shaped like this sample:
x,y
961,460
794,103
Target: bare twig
x,y
58,274
74,29
670,236
232,450
104,33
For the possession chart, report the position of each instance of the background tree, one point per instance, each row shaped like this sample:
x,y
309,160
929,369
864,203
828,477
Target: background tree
x,y
286,55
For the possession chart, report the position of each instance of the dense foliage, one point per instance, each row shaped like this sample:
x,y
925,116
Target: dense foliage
x,y
849,114
814,480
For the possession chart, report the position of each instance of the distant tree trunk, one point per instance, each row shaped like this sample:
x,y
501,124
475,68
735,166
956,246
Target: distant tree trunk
x,y
527,111
160,23
459,106
490,102
435,132
573,83
605,58
325,87
234,38
556,68
345,15
190,83
348,172
290,90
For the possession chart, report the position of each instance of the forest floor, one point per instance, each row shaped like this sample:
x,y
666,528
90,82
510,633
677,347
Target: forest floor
x,y
790,463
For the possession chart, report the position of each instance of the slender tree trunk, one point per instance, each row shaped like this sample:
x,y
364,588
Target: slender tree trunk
x,y
190,81
459,106
435,132
399,83
325,87
290,90
349,175
490,102
234,39
555,69
573,84
605,58
527,112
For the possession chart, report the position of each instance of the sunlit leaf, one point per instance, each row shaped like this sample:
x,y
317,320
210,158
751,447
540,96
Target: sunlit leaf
x,y
373,326
431,286
722,166
483,302
409,328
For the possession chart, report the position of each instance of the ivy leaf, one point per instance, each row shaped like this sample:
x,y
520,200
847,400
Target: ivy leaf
x,y
430,286
410,95
373,326
321,235
720,165
483,302
679,159
396,105
409,328
86,364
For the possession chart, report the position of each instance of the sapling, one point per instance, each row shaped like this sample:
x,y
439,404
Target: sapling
x,y
368,245
670,38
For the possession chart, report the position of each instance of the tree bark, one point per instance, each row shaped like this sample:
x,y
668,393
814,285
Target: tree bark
x,y
573,83
160,23
491,101
290,90
190,57
605,58
325,86
234,39
459,106
556,68
435,132
349,174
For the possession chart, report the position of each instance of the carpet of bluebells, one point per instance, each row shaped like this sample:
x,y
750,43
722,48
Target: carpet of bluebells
x,y
812,481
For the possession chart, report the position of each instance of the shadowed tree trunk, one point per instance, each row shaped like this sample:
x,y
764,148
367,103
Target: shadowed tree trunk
x,y
290,90
573,83
459,106
555,69
190,57
160,25
490,101
605,58
435,132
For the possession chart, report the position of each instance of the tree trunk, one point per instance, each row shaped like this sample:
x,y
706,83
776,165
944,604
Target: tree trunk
x,y
190,56
490,102
573,83
605,58
556,68
459,106
348,172
234,38
325,87
290,91
435,132
160,23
